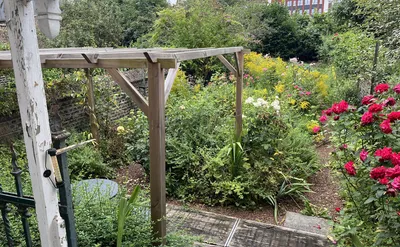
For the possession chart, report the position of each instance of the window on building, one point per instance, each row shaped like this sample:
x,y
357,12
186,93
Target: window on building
x,y
315,1
300,3
306,2
320,11
312,11
289,3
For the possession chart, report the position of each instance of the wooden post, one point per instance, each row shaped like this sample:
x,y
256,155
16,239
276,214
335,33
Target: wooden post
x,y
374,67
34,118
239,94
157,150
91,104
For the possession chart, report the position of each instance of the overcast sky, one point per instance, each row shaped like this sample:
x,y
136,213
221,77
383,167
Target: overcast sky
x,y
172,1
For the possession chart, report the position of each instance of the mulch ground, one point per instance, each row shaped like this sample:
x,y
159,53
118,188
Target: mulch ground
x,y
324,186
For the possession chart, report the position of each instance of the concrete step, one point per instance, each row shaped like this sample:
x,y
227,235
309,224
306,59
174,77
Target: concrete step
x,y
306,223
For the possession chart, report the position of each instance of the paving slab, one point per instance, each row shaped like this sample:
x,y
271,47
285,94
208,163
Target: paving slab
x,y
213,228
306,223
224,231
254,234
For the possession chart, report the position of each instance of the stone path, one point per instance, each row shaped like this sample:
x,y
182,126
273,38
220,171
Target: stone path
x,y
220,230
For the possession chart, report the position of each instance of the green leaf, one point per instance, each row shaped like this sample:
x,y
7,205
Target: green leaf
x,y
369,200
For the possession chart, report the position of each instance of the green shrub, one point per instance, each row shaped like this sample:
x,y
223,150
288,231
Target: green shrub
x,y
96,224
86,161
200,162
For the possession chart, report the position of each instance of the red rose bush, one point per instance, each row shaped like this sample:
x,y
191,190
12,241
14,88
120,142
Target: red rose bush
x,y
369,165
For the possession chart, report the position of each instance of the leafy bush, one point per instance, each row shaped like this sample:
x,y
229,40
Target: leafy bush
x,y
195,24
367,157
86,161
99,27
96,224
351,53
204,163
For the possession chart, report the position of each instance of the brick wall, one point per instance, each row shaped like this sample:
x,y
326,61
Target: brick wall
x,y
74,116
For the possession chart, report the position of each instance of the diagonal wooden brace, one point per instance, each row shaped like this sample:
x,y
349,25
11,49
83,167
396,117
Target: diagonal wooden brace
x,y
227,64
169,81
130,90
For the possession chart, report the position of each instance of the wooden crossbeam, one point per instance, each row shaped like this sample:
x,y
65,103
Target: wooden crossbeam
x,y
130,90
227,64
169,81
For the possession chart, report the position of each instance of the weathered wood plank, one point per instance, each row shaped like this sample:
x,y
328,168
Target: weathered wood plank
x,y
130,90
227,64
94,126
157,150
34,118
169,81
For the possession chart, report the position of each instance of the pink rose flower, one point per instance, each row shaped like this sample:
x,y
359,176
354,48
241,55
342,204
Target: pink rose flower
x,y
396,183
316,129
323,119
385,127
397,88
363,155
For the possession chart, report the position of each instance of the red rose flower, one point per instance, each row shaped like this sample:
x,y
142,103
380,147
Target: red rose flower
x,y
367,118
393,172
375,108
363,155
328,112
389,102
323,119
337,210
393,116
340,107
396,183
368,99
385,153
385,127
350,169
395,159
397,88
336,118
380,88
383,181
378,173
398,213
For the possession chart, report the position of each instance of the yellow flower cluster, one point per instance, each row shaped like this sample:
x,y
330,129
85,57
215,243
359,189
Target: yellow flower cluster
x,y
304,105
280,87
256,64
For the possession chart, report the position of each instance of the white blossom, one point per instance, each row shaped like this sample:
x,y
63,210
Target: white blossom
x,y
275,105
249,100
261,102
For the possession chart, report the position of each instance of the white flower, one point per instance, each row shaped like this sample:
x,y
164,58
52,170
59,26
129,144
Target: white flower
x,y
182,107
261,102
249,100
243,116
275,105
257,104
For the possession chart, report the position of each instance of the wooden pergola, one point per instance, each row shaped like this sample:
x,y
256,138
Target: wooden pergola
x,y
155,60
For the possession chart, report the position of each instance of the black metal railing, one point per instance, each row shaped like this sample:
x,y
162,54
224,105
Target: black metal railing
x,y
24,203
